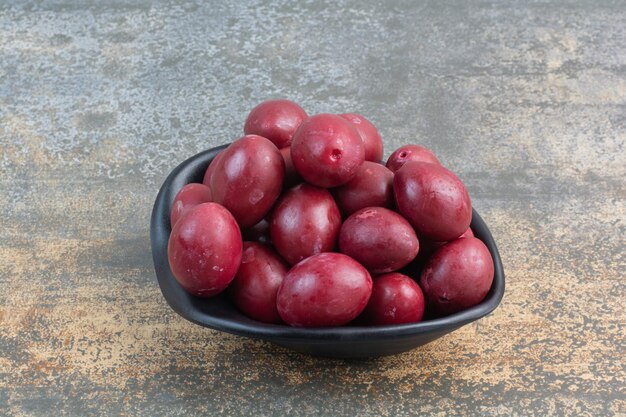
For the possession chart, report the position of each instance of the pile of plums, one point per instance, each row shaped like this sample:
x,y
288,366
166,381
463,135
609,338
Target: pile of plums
x,y
301,224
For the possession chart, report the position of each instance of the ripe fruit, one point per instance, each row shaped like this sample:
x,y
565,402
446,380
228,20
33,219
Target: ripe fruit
x,y
255,287
189,196
457,276
328,289
306,221
371,187
327,150
380,239
372,142
410,153
433,200
396,299
204,249
276,120
284,188
248,178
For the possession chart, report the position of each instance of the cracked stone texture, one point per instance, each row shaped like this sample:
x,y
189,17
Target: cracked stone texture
x,y
100,100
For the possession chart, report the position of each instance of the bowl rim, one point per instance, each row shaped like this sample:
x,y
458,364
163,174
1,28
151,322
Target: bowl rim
x,y
192,170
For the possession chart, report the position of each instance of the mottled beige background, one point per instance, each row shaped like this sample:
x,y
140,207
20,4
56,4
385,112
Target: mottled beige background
x,y
100,100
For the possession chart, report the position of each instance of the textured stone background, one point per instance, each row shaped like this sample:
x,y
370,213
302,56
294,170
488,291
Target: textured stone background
x,y
100,99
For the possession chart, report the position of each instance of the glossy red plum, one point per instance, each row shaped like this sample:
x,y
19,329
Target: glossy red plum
x,y
327,150
371,187
189,196
204,249
305,221
328,289
276,120
248,178
457,276
256,284
396,299
433,200
372,142
410,153
380,239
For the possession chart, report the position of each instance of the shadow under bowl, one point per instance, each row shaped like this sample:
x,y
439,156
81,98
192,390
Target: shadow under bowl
x,y
340,342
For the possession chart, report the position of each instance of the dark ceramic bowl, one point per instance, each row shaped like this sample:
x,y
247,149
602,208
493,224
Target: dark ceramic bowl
x,y
341,342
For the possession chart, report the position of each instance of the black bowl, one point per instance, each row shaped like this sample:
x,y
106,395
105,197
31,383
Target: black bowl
x,y
341,342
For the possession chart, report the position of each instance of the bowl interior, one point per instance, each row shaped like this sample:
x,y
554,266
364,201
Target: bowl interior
x,y
218,313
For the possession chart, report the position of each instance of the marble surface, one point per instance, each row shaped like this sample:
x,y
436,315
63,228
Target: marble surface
x,y
99,100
